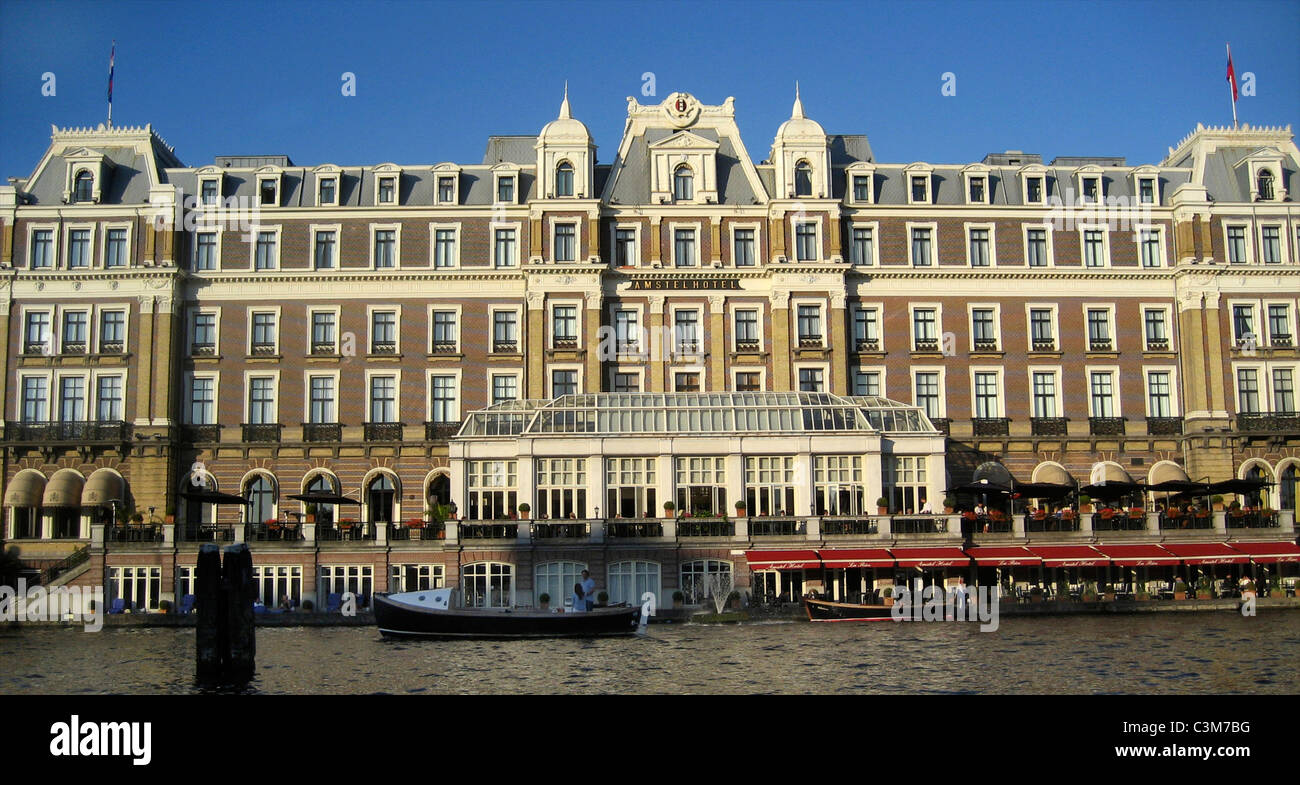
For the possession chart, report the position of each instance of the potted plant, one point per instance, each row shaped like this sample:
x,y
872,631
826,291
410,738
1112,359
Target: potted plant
x,y
1062,590
740,509
1180,589
1204,588
668,509
1143,595
1217,501
1108,593
949,504
678,599
602,599
415,523
882,506
170,517
310,509
1085,503
544,601
888,594
1089,592
1036,594
524,509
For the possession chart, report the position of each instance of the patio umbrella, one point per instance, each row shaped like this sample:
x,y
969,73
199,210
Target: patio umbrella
x,y
318,497
207,496
1110,490
1242,486
1043,490
981,487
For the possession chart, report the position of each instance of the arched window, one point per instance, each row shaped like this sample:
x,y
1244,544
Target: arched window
x,y
488,585
1286,488
322,484
683,184
379,498
260,492
564,179
1259,498
556,579
628,580
802,179
83,186
704,578
1266,185
439,491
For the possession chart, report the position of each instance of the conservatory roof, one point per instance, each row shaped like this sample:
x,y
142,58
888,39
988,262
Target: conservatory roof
x,y
602,414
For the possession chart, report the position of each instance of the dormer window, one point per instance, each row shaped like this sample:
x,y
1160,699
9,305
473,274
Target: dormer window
x,y
446,190
977,190
920,189
803,179
506,189
388,190
1265,185
1147,190
683,184
83,187
209,192
1034,190
564,179
329,190
861,188
1091,188
268,192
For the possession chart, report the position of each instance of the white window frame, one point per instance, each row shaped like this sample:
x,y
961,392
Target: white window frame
x,y
1247,241
1174,404
614,229
818,234
993,251
452,171
919,170
338,187
56,249
92,242
1105,246
579,305
96,322
1117,396
216,248
306,394
761,370
396,373
1111,324
338,329
550,379
492,373
1283,239
699,244
1058,404
103,245
673,370
879,308
824,367
216,329
252,247
1169,325
493,228
1001,388
396,229
943,385
1046,228
874,226
1026,174
865,369
51,395
1265,323
518,311
315,229
912,308
275,392
576,223
732,307
454,228
188,404
997,324
701,325
444,308
397,328
933,226
757,229
248,327
630,370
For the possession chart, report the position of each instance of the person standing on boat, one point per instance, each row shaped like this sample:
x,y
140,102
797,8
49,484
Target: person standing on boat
x,y
579,598
588,590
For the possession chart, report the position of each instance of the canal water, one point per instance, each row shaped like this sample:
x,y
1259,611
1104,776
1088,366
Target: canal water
x,y
1167,653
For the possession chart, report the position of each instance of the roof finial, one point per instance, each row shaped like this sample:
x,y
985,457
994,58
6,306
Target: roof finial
x,y
797,113
564,107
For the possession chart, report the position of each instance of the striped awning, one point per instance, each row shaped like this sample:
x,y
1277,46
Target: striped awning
x,y
64,489
26,489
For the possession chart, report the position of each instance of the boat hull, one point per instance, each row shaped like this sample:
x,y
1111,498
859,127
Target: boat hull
x,y
400,620
825,610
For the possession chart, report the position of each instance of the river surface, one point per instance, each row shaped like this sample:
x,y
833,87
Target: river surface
x,y
1168,653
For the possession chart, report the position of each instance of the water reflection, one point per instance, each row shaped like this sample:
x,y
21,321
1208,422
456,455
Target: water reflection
x,y
1192,654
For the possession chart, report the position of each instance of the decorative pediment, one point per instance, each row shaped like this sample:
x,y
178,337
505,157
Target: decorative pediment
x,y
684,140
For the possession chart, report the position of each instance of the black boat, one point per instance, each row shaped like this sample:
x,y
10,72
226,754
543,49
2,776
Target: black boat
x,y
825,610
428,614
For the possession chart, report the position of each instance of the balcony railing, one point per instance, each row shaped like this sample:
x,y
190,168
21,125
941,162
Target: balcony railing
x,y
201,433
565,343
489,531
440,431
688,347
37,348
322,432
776,527
1098,345
444,347
1165,426
262,350
272,532
1268,423
627,347
630,529
1173,522
383,431
78,347
991,426
131,532
747,346
1106,426
111,347
1044,344
996,522
942,424
505,347
347,531
1119,522
913,525
203,350
324,349
926,345
986,345
810,342
705,527
844,525
1280,341
116,431
868,345
1048,426
1251,520
1043,522
570,530
425,530
206,532
1158,345
261,432
383,348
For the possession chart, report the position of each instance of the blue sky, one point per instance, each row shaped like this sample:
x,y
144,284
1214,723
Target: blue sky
x,y
434,78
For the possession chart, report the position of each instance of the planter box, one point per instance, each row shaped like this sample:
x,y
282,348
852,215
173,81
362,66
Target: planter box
x,y
1180,595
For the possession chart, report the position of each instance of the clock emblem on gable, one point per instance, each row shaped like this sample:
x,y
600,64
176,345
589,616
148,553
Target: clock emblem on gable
x,y
682,109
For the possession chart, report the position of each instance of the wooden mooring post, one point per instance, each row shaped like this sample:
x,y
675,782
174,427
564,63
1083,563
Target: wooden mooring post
x,y
225,641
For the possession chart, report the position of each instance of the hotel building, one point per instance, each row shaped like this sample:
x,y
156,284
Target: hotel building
x,y
808,333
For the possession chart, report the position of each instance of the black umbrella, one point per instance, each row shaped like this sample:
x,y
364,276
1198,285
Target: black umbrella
x,y
319,497
1243,486
981,487
1043,490
214,497
1110,490
1180,487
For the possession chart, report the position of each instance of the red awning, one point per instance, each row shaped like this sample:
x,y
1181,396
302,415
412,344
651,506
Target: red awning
x,y
782,560
1138,555
846,558
1206,553
1003,557
930,557
1268,552
1069,555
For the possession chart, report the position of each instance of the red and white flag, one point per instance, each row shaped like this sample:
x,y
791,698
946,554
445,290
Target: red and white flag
x,y
1232,76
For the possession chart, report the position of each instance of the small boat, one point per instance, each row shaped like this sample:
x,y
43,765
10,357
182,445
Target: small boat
x,y
825,610
429,614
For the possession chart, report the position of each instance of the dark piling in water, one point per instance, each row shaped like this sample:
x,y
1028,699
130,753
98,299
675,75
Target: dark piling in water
x,y
225,642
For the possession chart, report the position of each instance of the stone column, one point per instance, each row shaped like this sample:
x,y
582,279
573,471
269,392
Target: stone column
x,y
1191,347
715,242
780,341
164,386
717,343
656,241
658,346
536,344
838,339
1213,359
595,381
145,363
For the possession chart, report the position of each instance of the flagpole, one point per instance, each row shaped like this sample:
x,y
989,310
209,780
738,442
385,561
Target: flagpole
x,y
111,57
1233,82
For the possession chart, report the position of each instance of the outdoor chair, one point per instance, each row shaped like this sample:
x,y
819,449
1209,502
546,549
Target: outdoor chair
x,y
334,603
187,605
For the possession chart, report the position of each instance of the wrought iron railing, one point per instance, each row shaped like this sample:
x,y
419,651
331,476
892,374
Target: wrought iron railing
x,y
1118,522
201,433
705,527
117,431
1051,523
194,532
1049,426
261,432
383,431
347,531
272,532
776,527
570,530
425,530
77,557
440,431
1172,522
628,529
1252,520
488,531
905,525
1106,426
133,532
847,525
991,426
322,432
505,347
868,345
1268,423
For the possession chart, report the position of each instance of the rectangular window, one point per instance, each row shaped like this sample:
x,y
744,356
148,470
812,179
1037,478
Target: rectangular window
x,y
505,331
505,189
267,192
862,250
323,332
979,247
919,188
867,383
986,395
1279,325
810,323
982,328
811,380
1040,329
324,255
385,249
1101,387
505,387
328,188
112,332
627,331
861,188
1159,396
261,400
686,329
1270,244
927,392
264,258
924,329
1037,242
383,332
263,333
747,328
1248,390
205,251
35,399
203,409
444,248
321,405
209,192
443,399
115,248
383,399
921,247
505,253
1283,391
74,331
109,399
444,330
805,242
387,190
42,249
684,247
747,381
744,247
1099,330
1091,185
1156,334
1243,324
205,334
37,337
78,248
977,190
565,242
1093,253
564,325
1147,190
866,329
1044,395
686,382
1237,244
1034,190
624,247
446,190
564,383
72,399
1150,244
627,382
